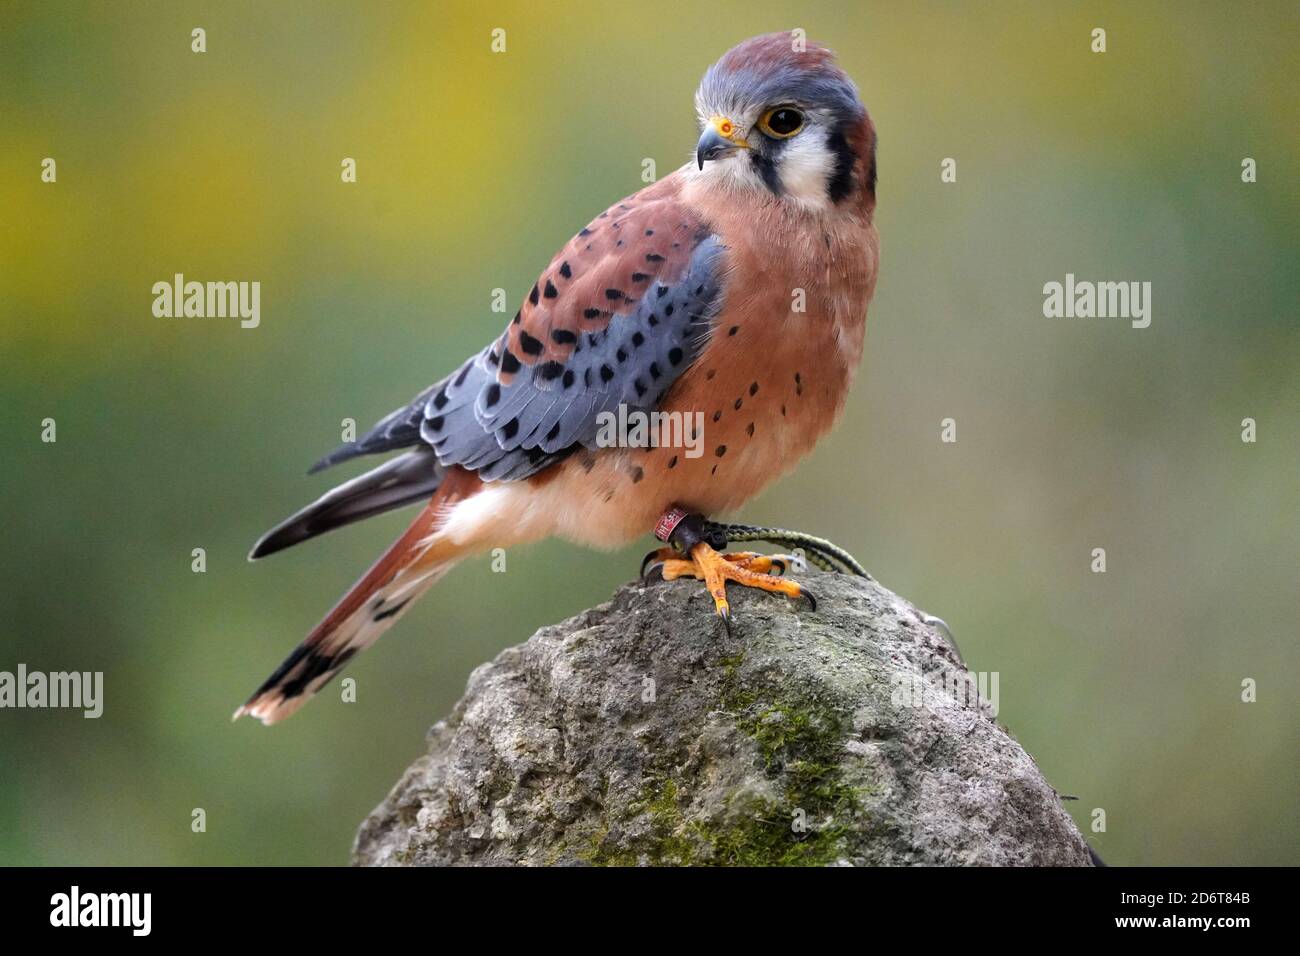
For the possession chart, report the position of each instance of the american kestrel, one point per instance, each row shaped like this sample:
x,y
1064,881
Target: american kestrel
x,y
733,291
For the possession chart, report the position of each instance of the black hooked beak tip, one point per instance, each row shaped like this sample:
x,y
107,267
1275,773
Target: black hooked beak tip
x,y
712,145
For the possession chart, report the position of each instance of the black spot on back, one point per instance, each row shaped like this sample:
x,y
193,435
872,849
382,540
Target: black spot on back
x,y
529,344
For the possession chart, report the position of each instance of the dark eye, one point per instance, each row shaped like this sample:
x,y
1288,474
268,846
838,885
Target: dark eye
x,y
781,122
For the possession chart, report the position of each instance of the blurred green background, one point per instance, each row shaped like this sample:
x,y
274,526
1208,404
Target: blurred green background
x,y
473,168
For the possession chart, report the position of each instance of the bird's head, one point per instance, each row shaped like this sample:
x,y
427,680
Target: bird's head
x,y
778,116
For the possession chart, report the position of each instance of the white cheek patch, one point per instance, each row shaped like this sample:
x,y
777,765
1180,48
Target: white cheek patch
x,y
734,171
805,167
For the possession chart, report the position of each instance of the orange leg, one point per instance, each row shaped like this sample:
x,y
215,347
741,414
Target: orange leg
x,y
716,569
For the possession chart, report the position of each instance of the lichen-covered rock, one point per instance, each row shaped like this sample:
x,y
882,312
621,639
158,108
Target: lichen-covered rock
x,y
640,732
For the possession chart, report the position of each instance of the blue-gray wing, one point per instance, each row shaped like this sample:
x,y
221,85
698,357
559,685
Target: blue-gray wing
x,y
619,314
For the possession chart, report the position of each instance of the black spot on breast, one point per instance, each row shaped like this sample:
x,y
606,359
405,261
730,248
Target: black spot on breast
x,y
708,376
733,330
614,295
637,474
750,429
550,291
493,395
662,291
460,379
509,363
606,373
668,310
637,340
436,422
586,378
534,295
675,355
515,320
529,344
649,232
565,270
555,430
739,402
753,388
654,371
593,339
639,277
563,337
653,257
640,388
510,429
591,313
722,450
567,381
440,399
621,355
672,462
584,231
550,370
653,320
717,415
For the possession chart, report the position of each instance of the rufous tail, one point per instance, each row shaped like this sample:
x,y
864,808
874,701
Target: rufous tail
x,y
406,570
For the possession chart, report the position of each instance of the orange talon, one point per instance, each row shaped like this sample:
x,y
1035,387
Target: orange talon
x,y
716,569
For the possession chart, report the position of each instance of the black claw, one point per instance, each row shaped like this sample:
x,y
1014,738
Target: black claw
x,y
779,565
645,562
812,598
725,614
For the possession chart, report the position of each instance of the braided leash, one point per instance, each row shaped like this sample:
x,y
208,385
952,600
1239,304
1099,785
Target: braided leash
x,y
820,553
